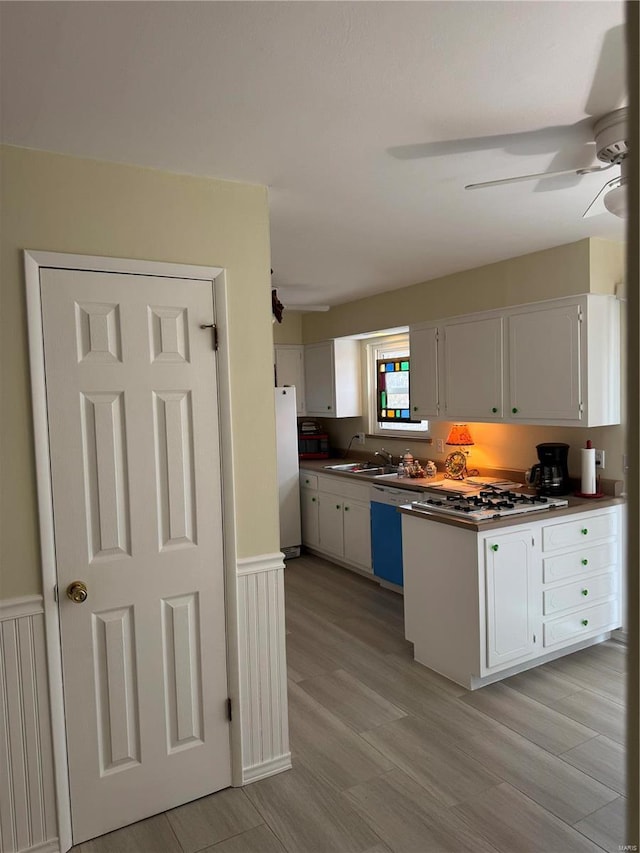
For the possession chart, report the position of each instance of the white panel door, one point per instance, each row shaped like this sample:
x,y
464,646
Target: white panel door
x,y
132,408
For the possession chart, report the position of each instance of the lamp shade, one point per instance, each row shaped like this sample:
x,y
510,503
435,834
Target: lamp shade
x,y
459,435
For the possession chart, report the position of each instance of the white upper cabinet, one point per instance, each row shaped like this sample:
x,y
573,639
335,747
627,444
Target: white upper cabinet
x,y
289,368
554,362
472,369
564,362
332,379
545,378
423,377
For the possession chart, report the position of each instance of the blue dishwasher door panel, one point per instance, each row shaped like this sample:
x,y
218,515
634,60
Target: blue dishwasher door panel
x,y
386,542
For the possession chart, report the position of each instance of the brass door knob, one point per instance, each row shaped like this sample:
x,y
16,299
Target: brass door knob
x,y
77,591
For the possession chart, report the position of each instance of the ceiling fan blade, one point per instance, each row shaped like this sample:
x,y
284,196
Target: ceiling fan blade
x,y
610,185
543,140
609,88
537,175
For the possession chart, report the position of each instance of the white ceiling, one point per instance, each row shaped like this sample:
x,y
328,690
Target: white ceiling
x,y
336,106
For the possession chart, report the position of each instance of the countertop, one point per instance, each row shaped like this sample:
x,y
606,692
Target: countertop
x,y
422,485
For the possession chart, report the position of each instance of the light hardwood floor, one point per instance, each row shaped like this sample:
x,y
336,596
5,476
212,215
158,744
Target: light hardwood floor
x,y
389,757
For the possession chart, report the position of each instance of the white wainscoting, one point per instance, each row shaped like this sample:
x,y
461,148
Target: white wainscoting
x,y
27,796
263,671
27,787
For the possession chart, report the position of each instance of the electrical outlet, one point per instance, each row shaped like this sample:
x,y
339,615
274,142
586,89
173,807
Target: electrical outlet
x,y
440,445
360,437
600,459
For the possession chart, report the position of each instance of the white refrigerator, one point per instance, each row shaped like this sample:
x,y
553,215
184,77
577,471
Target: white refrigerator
x,y
288,474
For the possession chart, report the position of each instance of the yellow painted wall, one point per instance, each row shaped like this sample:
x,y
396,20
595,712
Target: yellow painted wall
x,y
63,204
582,267
561,271
290,330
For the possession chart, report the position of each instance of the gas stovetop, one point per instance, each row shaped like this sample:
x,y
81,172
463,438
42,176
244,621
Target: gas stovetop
x,y
487,504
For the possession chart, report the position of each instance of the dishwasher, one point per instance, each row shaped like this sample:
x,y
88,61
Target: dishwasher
x,y
386,532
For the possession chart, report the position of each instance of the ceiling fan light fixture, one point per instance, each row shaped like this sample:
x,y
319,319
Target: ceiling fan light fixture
x,y
616,201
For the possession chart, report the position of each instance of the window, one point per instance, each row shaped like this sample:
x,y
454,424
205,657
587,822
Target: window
x,y
389,377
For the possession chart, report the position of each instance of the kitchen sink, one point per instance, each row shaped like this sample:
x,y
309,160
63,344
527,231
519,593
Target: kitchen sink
x,y
362,468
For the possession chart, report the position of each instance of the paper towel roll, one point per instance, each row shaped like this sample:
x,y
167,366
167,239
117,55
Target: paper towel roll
x,y
588,461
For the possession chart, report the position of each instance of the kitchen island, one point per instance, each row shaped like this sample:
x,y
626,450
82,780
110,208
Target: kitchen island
x,y
485,600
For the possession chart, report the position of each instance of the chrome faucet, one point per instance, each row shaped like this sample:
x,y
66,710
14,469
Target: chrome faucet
x,y
385,455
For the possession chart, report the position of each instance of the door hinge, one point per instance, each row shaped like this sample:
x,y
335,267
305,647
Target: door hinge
x,y
579,315
214,332
534,638
55,592
229,711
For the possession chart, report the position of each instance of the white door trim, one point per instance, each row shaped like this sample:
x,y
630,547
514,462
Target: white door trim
x,y
34,261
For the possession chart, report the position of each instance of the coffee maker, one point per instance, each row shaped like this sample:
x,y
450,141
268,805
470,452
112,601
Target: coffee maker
x,y
550,475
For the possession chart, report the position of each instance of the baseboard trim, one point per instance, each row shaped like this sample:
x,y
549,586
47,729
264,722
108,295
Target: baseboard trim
x,y
51,846
16,608
259,564
266,769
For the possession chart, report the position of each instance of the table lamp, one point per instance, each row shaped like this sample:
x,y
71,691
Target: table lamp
x,y
455,465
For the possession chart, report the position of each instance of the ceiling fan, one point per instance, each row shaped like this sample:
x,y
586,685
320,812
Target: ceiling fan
x,y
612,148
606,126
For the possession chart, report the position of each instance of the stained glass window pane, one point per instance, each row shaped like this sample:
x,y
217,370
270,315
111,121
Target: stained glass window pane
x,y
393,390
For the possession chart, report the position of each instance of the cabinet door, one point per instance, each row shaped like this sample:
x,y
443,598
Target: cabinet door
x,y
289,363
309,517
331,533
357,534
423,388
544,365
510,597
319,379
472,366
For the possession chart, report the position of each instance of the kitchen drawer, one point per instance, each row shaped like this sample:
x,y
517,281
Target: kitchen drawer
x,y
590,589
345,488
308,481
581,529
582,623
579,562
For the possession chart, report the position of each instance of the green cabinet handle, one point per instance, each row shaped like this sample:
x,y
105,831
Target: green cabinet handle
x,y
585,562
584,531
415,408
313,500
494,547
329,407
306,482
494,410
585,622
585,592
514,410
338,506
346,509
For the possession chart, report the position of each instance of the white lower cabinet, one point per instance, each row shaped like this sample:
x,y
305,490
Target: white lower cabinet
x,y
309,517
357,534
510,598
331,524
336,519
